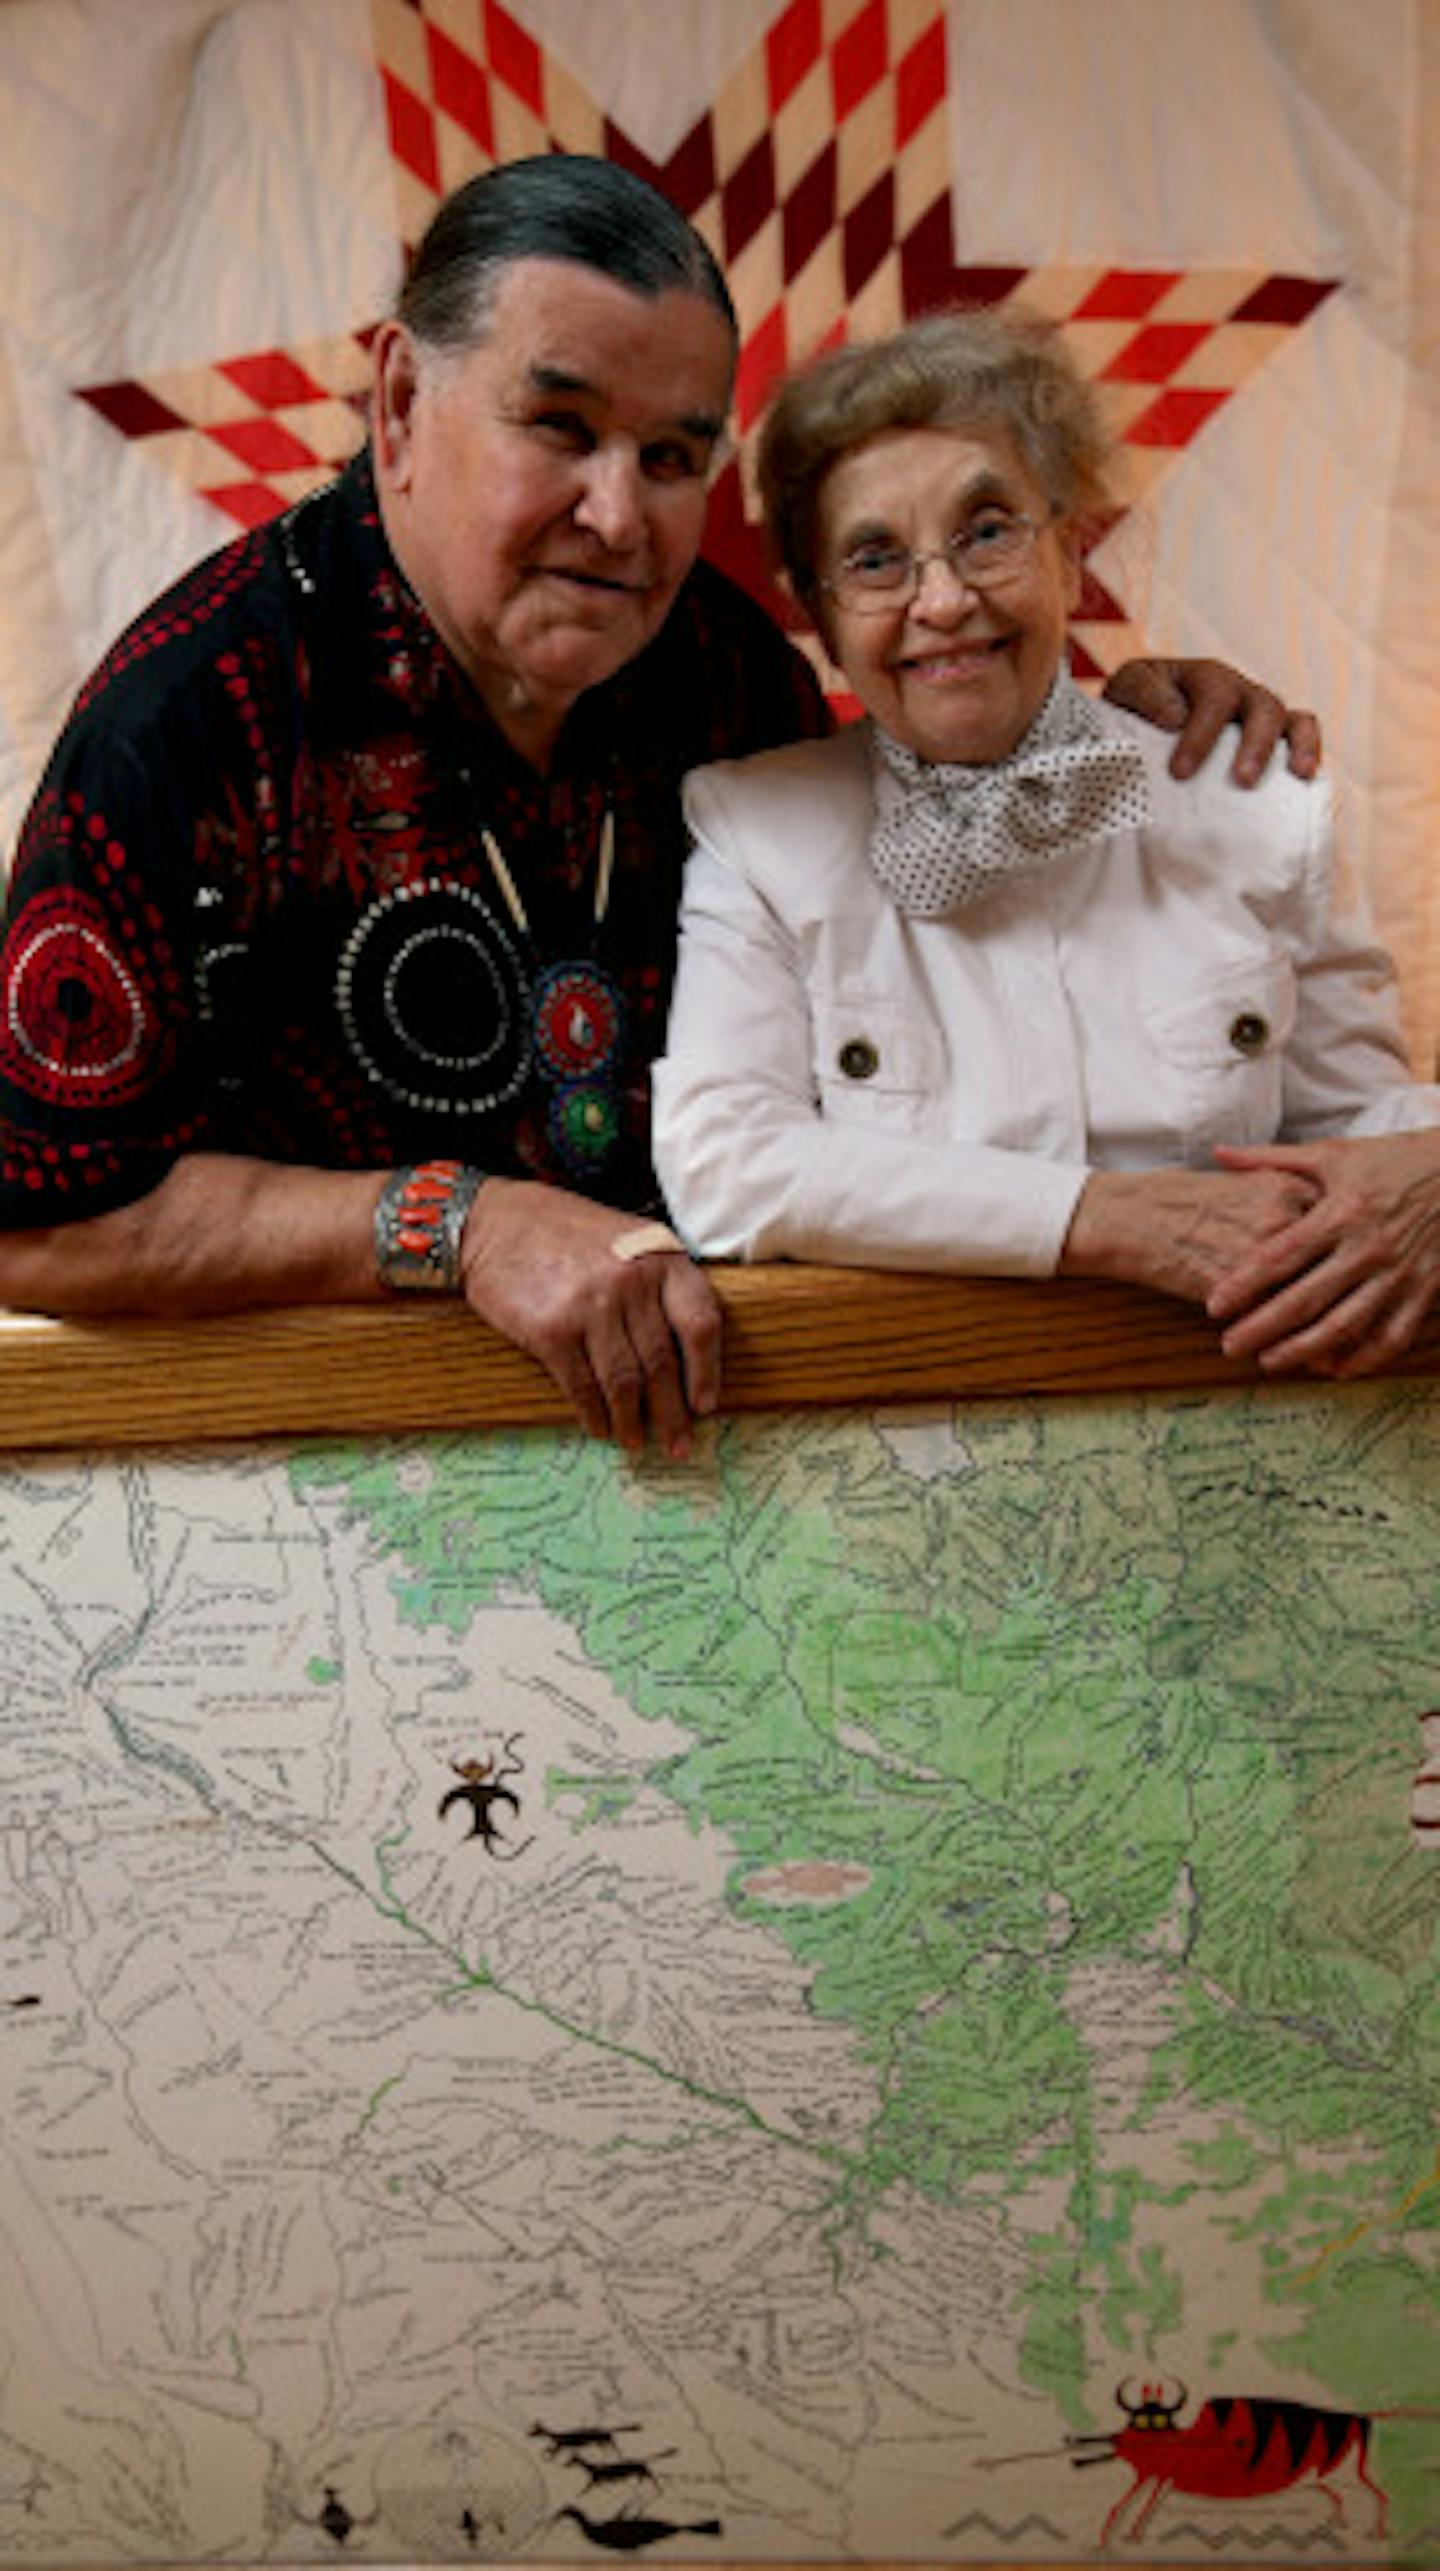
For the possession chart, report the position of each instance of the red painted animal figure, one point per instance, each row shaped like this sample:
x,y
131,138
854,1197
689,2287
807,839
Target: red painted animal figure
x,y
1237,2447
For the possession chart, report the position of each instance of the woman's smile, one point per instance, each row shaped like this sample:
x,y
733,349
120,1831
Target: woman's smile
x,y
959,660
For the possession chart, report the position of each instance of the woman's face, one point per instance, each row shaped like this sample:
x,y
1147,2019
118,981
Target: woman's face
x,y
955,673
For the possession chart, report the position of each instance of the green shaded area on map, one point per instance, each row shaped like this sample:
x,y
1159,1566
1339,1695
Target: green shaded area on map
x,y
1072,1763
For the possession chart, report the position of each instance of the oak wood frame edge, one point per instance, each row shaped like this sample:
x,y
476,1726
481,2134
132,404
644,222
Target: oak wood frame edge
x,y
795,1337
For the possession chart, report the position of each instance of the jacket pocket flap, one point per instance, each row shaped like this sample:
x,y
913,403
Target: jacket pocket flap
x,y
1237,1016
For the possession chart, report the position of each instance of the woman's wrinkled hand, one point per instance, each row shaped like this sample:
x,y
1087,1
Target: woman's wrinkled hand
x,y
1180,1231
1346,1286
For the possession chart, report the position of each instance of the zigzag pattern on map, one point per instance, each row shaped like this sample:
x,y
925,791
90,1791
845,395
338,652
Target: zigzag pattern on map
x,y
1000,2531
1185,2538
820,175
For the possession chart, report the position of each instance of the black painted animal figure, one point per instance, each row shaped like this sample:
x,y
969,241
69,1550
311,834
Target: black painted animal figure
x,y
622,2468
569,2441
627,2534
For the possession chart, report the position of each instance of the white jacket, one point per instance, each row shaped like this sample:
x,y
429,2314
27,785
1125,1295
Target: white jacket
x,y
842,1082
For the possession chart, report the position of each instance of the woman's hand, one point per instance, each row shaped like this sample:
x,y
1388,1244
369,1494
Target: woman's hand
x,y
1180,1231
1198,698
1344,1288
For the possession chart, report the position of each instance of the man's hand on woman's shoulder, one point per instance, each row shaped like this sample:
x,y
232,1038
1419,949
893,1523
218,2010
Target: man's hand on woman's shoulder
x,y
1197,699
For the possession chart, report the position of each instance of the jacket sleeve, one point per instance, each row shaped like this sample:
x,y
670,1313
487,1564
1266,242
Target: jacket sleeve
x,y
753,1169
1345,1067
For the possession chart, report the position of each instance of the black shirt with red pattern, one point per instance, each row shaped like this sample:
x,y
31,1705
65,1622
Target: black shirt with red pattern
x,y
285,890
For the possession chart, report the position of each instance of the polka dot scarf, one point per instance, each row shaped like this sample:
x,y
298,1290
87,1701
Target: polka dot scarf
x,y
946,833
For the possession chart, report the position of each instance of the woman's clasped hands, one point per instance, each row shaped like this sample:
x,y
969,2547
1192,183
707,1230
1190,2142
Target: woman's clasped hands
x,y
1321,1257
1344,1286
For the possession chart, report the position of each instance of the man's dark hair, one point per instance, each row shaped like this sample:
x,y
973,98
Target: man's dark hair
x,y
559,205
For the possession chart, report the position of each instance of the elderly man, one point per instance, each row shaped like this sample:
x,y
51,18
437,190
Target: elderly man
x,y
341,928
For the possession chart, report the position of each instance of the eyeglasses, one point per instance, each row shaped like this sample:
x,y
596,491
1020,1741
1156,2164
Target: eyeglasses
x,y
879,576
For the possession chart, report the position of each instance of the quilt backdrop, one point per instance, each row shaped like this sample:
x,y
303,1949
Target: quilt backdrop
x,y
206,205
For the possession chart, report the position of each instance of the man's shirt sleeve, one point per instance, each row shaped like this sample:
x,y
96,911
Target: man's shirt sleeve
x,y
97,1004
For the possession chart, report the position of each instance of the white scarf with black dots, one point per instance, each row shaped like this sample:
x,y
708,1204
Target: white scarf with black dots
x,y
946,833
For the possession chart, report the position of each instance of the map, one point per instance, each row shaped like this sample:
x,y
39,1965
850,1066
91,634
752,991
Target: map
x,y
871,1996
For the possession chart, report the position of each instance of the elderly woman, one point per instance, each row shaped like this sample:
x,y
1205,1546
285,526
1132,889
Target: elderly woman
x,y
975,984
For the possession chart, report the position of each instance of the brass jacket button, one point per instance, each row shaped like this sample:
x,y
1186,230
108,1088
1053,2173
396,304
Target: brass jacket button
x,y
1249,1033
858,1059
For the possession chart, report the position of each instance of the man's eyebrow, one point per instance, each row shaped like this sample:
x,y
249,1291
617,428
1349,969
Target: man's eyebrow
x,y
558,379
550,380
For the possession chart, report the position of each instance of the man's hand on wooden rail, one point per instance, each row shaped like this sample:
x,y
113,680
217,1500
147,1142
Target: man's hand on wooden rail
x,y
632,1341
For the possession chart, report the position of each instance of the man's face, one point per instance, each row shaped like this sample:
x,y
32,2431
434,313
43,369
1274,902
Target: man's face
x,y
545,492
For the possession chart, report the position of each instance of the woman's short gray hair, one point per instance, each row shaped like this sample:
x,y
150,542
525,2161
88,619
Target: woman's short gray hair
x,y
999,367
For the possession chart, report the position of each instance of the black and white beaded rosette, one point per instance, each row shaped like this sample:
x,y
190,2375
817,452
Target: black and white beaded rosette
x,y
434,999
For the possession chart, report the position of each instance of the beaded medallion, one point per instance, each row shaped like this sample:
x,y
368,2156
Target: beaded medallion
x,y
434,998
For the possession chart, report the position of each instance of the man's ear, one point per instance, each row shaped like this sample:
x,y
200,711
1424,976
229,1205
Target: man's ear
x,y
392,417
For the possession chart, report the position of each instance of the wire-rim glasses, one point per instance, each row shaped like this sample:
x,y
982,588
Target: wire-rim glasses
x,y
878,576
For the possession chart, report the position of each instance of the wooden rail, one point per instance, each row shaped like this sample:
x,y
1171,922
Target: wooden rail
x,y
795,1337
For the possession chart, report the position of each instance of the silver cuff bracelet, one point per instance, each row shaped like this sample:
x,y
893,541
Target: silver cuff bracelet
x,y
420,1222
